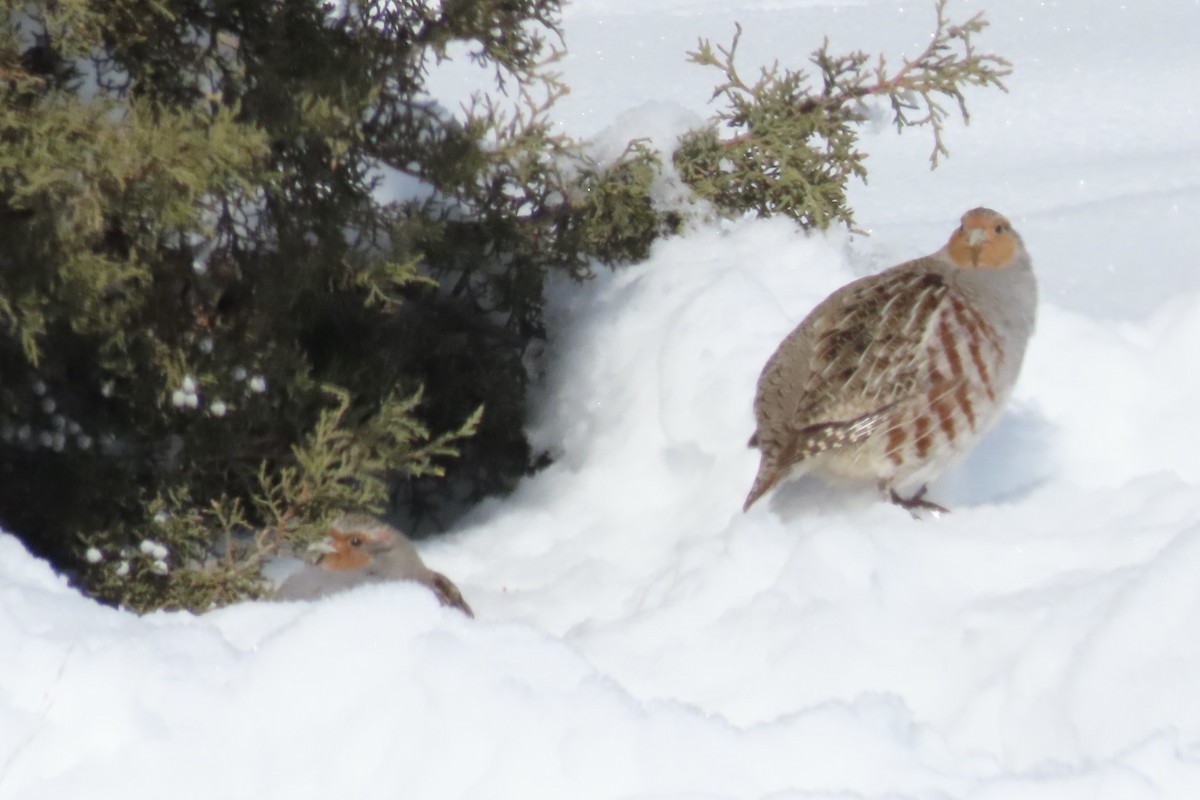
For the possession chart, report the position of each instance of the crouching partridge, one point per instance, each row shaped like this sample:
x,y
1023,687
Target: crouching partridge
x,y
896,375
361,549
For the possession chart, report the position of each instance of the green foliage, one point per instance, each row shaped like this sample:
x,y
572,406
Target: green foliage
x,y
180,563
195,255
345,466
180,557
614,216
792,145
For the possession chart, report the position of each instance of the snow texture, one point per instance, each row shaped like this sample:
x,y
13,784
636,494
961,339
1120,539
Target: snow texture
x,y
637,635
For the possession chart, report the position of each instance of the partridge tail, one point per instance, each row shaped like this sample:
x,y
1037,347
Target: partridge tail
x,y
449,595
767,477
808,442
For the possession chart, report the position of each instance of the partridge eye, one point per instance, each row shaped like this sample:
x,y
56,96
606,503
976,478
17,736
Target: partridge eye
x,y
356,541
999,229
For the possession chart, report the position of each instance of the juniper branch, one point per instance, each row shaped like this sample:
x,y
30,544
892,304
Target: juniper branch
x,y
787,145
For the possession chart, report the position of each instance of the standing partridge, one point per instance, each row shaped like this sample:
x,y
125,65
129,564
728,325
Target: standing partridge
x,y
362,549
895,375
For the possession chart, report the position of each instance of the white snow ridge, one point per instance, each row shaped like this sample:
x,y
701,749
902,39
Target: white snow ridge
x,y
637,636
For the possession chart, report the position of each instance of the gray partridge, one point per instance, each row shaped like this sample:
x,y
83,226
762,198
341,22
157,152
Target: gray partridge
x,y
894,376
362,549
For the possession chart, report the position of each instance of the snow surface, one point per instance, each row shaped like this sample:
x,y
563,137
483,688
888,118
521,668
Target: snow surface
x,y
637,635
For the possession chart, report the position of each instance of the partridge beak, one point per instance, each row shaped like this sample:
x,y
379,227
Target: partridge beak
x,y
321,546
975,237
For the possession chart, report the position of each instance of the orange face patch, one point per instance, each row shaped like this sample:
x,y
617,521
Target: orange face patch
x,y
985,240
348,552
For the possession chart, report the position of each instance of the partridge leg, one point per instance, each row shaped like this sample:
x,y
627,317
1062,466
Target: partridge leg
x,y
917,500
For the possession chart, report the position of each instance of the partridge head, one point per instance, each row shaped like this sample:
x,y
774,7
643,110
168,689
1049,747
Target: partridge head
x,y
362,549
893,377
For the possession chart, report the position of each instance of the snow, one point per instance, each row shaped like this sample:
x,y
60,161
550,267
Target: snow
x,y
637,635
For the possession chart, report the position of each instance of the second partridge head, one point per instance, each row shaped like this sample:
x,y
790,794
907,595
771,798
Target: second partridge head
x,y
362,549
